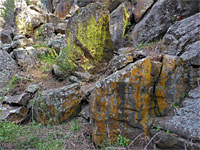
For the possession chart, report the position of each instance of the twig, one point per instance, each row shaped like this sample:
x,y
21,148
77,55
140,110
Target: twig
x,y
134,140
151,140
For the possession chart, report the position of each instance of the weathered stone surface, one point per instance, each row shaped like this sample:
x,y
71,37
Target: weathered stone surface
x,y
84,3
89,42
32,88
125,100
140,8
17,100
25,57
63,8
161,16
111,4
19,41
119,20
8,68
173,83
44,32
14,114
192,53
7,48
29,19
57,42
184,124
182,34
58,105
5,37
60,28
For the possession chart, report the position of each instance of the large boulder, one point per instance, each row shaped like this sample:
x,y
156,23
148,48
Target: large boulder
x,y
119,20
89,41
123,102
29,19
161,16
183,127
182,34
58,105
127,101
173,83
8,68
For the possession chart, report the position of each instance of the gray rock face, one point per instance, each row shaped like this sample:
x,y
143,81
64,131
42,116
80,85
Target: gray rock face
x,y
22,99
185,123
82,3
25,57
8,68
29,19
119,20
44,32
58,42
13,113
162,15
192,53
141,7
181,35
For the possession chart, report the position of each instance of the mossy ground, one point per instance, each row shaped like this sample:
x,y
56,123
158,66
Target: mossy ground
x,y
72,135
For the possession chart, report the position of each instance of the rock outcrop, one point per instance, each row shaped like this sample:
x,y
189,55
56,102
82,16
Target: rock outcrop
x,y
161,16
182,34
183,127
59,105
89,42
8,68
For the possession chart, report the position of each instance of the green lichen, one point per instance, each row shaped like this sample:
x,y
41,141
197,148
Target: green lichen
x,y
94,36
125,20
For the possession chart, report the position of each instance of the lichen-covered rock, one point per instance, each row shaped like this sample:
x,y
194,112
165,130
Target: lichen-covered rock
x,y
44,32
63,8
184,126
111,4
8,68
119,20
88,38
140,8
14,114
29,19
182,34
58,105
173,83
125,100
160,17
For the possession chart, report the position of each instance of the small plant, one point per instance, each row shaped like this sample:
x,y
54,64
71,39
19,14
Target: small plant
x,y
198,81
123,141
64,61
158,128
75,126
168,132
49,58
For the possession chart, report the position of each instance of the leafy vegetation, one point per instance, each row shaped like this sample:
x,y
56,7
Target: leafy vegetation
x,y
9,8
123,141
35,136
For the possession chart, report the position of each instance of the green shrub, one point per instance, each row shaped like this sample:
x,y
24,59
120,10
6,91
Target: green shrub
x,y
9,8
